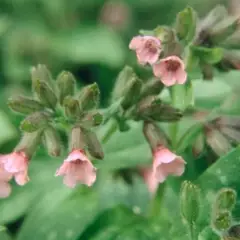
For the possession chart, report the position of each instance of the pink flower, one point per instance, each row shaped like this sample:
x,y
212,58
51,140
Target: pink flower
x,y
147,49
5,188
170,70
16,163
166,163
77,168
150,180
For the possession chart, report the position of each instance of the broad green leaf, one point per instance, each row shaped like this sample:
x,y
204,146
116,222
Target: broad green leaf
x,y
223,173
186,24
208,55
90,45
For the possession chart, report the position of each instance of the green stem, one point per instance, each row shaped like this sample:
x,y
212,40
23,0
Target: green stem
x,y
156,203
192,232
111,130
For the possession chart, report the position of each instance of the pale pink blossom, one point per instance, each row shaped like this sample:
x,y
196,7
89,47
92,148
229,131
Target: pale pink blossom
x,y
147,49
77,168
170,70
16,163
5,188
150,180
166,163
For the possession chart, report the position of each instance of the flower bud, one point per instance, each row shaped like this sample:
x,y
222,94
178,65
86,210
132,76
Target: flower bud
x,y
131,92
71,107
222,220
186,24
226,199
45,94
34,122
152,87
92,119
24,105
165,34
154,135
89,97
66,84
41,73
190,202
230,133
234,231
93,144
52,141
77,139
123,77
29,143
154,109
219,144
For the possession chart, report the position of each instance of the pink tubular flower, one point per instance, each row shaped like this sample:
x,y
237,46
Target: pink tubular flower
x,y
150,180
77,168
147,49
5,188
16,163
170,70
166,163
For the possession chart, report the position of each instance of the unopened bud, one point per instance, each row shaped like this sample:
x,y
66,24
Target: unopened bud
x,y
29,143
152,87
66,84
89,97
123,77
230,133
34,122
154,136
219,144
24,105
222,220
226,199
77,139
186,24
190,202
45,94
154,109
165,34
71,107
92,119
131,92
52,141
40,73
93,144
234,232
198,145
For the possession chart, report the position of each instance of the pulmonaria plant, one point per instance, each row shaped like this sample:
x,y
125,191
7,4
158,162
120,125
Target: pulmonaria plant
x,y
58,110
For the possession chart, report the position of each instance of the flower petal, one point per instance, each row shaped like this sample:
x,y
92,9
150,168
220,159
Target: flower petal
x,y
136,43
181,76
5,189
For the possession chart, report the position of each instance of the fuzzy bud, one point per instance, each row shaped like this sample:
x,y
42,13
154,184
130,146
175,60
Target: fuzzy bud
x,y
34,122
123,77
52,141
152,87
89,97
131,92
24,105
190,202
66,84
40,72
154,109
71,106
45,94
93,145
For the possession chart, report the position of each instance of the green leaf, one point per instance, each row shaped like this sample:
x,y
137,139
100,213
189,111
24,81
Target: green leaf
x,y
186,24
208,55
224,173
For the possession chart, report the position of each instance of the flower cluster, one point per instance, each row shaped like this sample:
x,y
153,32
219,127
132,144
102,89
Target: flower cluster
x,y
170,69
